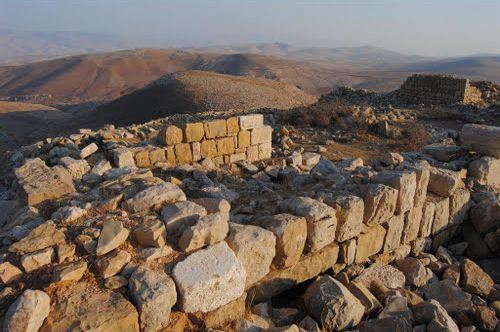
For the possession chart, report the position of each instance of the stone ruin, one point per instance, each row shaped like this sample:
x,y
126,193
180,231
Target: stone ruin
x,y
437,90
158,247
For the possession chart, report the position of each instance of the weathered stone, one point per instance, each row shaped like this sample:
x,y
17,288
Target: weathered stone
x,y
224,315
149,254
370,243
252,153
9,273
209,278
142,158
193,132
244,139
475,280
68,214
406,184
394,227
310,158
115,282
347,252
151,233
77,168
86,309
389,276
123,157
265,150
157,156
444,152
441,213
321,220
65,251
396,306
165,193
37,259
415,272
28,312
380,204
484,216
209,149
101,167
254,247
370,302
225,146
183,154
412,221
154,294
486,170
485,318
428,211
308,267
460,203
88,150
112,263
233,125
434,316
350,211
451,297
180,215
444,182
330,302
215,128
261,135
39,183
422,171
386,324
291,235
207,230
251,121
171,135
41,237
113,234
72,271
481,138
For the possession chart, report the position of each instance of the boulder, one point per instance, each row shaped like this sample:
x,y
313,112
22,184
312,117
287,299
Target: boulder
x,y
475,280
406,184
28,312
154,294
486,170
207,230
39,183
389,276
209,278
291,234
444,182
44,236
113,234
86,309
449,295
380,203
481,138
254,247
330,302
165,193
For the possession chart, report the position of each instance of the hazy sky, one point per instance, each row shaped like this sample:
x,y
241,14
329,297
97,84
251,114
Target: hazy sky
x,y
426,27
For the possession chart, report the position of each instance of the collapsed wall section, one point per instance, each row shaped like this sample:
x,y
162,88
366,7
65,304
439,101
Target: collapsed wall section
x,y
437,89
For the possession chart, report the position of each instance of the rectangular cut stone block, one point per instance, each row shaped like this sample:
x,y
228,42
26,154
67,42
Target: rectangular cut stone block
x,y
196,147
193,132
170,154
233,126
251,121
243,139
215,129
444,182
481,138
237,157
142,158
428,210
380,203
39,183
460,203
252,153
350,211
208,149
183,153
413,218
291,235
347,252
123,157
209,279
405,182
157,156
225,146
170,135
307,268
394,228
265,151
261,135
370,243
422,171
223,316
441,213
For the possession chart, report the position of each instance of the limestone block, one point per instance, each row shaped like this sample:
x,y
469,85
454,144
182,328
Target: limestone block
x,y
207,230
460,203
209,279
209,149
215,129
88,150
153,196
151,233
28,312
237,157
123,157
72,271
347,252
441,213
350,211
370,302
170,135
213,205
170,154
157,155
251,121
243,139
77,168
252,153
255,248
406,184
310,158
37,259
38,183
113,234
193,132
265,151
370,243
422,172
180,215
9,273
413,219
380,273
112,263
142,158
291,235
261,135
183,153
380,203
486,170
41,237
428,211
225,146
233,125
196,148
444,182
394,227
482,139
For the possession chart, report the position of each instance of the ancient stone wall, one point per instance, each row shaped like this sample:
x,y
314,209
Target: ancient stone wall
x,y
437,89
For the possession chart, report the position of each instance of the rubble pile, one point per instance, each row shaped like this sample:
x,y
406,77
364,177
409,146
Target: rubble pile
x,y
145,229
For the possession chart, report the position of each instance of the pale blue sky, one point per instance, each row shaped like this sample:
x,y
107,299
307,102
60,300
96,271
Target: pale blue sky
x,y
426,27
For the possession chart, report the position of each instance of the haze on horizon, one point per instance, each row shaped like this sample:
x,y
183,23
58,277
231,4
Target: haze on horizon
x,y
423,27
